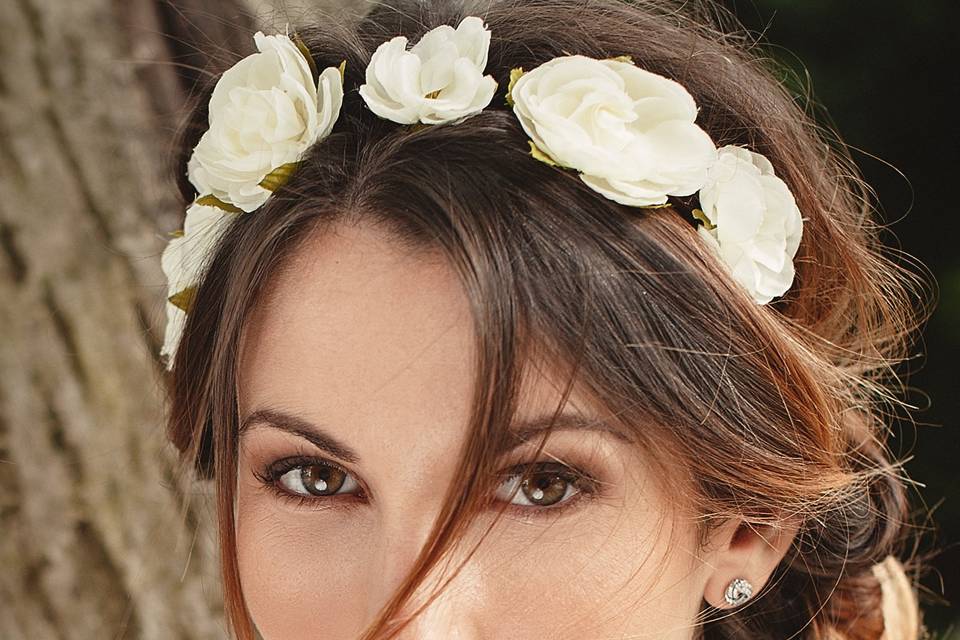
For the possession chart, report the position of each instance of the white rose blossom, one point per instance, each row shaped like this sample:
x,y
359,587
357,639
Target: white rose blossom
x,y
183,261
265,112
630,133
754,224
440,79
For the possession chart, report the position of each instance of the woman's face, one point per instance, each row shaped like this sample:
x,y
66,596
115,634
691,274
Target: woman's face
x,y
369,351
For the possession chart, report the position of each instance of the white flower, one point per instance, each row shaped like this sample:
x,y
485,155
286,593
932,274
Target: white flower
x,y
629,132
176,318
757,222
439,80
185,256
265,111
183,261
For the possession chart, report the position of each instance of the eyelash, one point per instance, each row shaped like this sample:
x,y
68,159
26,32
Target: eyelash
x,y
586,485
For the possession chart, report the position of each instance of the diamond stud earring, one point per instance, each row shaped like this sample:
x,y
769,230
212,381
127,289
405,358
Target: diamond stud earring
x,y
738,592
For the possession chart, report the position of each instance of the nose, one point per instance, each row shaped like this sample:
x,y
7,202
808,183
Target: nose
x,y
458,609
454,614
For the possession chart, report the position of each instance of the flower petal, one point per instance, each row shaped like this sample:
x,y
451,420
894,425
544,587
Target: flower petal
x,y
629,132
264,112
758,224
440,79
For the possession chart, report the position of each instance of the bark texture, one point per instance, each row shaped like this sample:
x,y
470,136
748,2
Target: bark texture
x,y
99,537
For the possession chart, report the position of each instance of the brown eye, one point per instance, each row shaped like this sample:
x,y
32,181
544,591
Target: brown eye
x,y
542,488
316,480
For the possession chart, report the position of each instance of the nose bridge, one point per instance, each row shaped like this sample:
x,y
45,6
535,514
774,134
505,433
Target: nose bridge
x,y
395,552
407,514
456,611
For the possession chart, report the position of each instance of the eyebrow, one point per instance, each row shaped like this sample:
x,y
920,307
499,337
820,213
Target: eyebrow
x,y
520,433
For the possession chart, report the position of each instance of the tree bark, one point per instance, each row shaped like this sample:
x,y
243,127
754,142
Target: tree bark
x,y
99,536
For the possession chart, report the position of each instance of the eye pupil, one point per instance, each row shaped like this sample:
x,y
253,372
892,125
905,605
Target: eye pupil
x,y
321,479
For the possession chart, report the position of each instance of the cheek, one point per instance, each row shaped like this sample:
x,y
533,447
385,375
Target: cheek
x,y
301,573
612,576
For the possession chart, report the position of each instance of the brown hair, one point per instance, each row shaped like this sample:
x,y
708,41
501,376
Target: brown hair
x,y
769,411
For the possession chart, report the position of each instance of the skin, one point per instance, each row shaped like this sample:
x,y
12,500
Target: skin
x,y
375,347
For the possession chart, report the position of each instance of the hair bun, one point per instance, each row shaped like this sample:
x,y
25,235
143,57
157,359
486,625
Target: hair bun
x,y
899,604
901,618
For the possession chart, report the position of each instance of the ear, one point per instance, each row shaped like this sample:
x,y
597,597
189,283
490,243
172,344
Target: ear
x,y
751,551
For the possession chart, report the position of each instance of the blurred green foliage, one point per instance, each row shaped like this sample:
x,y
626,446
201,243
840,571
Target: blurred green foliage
x,y
884,72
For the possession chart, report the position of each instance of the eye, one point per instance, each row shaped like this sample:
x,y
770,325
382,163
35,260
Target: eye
x,y
305,479
547,485
317,479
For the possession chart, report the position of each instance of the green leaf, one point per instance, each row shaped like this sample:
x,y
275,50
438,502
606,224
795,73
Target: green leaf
x,y
623,58
540,155
184,299
343,70
702,217
177,233
279,176
211,200
515,74
306,54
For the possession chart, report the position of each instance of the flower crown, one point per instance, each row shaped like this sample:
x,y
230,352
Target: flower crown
x,y
629,133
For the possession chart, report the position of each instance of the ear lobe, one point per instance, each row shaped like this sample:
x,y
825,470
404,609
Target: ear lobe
x,y
745,550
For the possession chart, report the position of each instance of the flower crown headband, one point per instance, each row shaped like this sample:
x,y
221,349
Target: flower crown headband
x,y
628,132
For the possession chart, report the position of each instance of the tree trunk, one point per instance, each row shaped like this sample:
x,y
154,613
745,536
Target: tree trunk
x,y
97,536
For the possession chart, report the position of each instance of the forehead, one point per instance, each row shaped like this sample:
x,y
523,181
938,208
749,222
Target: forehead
x,y
359,331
